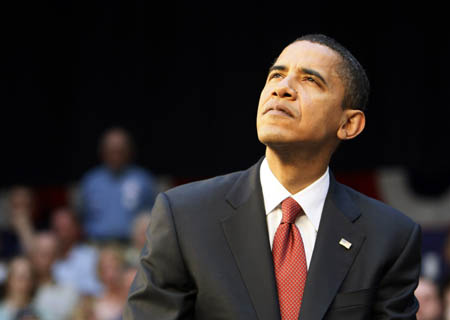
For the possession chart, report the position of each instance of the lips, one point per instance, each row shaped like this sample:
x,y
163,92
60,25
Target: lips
x,y
278,109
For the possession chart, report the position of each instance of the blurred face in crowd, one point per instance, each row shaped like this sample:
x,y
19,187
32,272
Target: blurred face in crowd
x,y
116,149
428,295
44,253
65,227
20,280
301,102
110,268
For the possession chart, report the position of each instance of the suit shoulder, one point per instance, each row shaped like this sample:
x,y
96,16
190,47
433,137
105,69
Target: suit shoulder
x,y
379,211
204,190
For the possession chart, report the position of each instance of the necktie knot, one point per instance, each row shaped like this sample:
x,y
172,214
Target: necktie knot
x,y
290,209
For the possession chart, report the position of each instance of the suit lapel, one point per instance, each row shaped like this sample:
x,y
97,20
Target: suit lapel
x,y
331,261
247,236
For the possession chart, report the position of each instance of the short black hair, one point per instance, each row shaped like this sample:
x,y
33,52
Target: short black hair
x,y
357,86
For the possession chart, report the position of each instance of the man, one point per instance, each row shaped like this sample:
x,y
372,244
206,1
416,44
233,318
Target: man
x,y
283,239
76,264
113,193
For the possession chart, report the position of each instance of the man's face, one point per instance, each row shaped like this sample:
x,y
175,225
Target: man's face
x,y
21,277
116,150
44,252
301,102
110,268
65,227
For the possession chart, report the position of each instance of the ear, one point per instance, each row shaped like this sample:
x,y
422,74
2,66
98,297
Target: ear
x,y
352,124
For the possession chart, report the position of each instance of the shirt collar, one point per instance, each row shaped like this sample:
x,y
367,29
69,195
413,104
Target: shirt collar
x,y
311,199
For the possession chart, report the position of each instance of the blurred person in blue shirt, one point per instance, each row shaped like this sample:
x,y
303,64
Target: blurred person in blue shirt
x,y
114,192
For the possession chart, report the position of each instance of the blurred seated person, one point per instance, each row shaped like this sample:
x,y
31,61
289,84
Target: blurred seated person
x,y
19,290
76,264
138,238
111,269
113,193
52,301
427,293
17,229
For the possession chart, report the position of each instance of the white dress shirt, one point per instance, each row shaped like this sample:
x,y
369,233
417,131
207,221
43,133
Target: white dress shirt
x,y
311,199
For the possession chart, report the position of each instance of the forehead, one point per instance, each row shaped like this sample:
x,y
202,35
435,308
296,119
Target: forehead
x,y
305,54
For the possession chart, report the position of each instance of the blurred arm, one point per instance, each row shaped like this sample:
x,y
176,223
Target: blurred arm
x,y
21,222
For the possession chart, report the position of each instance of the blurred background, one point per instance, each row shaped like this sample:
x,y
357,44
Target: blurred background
x,y
120,100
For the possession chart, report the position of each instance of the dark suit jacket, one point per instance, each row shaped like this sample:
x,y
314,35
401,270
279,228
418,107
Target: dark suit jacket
x,y
208,257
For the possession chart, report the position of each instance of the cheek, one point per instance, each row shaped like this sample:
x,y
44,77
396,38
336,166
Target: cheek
x,y
311,110
321,116
265,95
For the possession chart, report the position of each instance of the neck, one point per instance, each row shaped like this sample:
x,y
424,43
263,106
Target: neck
x,y
296,170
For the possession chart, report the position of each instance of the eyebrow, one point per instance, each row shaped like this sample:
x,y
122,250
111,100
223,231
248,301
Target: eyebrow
x,y
314,73
277,67
305,70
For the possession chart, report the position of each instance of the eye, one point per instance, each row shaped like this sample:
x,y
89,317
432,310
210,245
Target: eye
x,y
275,75
310,79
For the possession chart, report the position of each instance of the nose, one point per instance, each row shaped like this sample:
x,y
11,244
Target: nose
x,y
284,90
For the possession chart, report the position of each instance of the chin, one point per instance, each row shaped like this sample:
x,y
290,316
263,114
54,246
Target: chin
x,y
274,137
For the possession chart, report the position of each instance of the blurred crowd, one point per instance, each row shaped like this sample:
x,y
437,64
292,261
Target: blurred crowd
x,y
79,265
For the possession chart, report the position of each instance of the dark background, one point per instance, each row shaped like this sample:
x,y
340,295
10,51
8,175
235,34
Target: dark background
x,y
185,79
